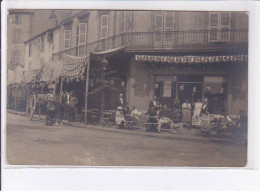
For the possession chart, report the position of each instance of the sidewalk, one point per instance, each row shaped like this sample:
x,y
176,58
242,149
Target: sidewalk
x,y
181,133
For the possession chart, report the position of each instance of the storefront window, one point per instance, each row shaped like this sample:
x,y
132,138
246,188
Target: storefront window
x,y
215,89
192,88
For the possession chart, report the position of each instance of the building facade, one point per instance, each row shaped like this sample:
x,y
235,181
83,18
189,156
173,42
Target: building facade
x,y
18,30
174,55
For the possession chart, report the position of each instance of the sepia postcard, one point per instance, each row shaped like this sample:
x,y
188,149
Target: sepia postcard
x,y
159,88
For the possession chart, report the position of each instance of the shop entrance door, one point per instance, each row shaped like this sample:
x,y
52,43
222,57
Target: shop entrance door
x,y
190,91
189,87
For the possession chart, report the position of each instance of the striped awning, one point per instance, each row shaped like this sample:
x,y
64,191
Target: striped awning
x,y
50,71
73,66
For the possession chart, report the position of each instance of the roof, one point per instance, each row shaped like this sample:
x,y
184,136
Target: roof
x,y
20,11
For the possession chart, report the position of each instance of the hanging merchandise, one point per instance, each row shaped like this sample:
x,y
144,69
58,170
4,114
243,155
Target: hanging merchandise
x,y
73,66
182,87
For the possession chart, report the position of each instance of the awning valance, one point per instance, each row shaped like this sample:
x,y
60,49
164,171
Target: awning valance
x,y
191,59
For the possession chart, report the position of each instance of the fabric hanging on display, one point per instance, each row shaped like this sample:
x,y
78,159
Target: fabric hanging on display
x,y
73,66
18,75
33,73
51,71
10,76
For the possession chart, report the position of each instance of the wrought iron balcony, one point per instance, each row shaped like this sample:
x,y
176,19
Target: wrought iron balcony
x,y
176,41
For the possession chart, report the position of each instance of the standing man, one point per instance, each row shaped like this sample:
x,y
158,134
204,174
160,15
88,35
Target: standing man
x,y
51,107
120,101
73,107
155,103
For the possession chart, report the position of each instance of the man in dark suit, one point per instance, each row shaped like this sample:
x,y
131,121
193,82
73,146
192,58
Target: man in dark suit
x,y
155,103
120,101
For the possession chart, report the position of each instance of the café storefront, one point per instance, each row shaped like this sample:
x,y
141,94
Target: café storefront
x,y
189,78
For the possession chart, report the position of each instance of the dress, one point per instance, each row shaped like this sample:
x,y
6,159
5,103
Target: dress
x,y
120,118
186,113
176,115
196,114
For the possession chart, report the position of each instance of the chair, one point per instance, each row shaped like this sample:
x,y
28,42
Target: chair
x,y
129,122
109,118
151,126
93,115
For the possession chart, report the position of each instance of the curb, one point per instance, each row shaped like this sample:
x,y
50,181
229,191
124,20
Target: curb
x,y
132,132
157,135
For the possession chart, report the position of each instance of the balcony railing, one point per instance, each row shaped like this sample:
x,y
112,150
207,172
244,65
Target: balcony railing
x,y
229,39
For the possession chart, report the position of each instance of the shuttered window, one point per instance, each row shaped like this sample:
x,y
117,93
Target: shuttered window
x,y
39,44
158,25
219,24
164,24
82,33
16,57
125,21
81,39
103,31
168,26
67,37
17,35
104,26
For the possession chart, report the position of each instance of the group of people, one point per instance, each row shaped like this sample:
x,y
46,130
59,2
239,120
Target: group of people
x,y
56,106
178,113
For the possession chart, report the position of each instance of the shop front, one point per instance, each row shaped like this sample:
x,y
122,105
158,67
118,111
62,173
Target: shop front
x,y
191,78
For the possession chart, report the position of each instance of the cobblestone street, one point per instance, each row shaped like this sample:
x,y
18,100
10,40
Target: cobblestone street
x,y
32,143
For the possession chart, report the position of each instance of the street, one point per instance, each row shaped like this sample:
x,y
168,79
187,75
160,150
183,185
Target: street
x,y
33,143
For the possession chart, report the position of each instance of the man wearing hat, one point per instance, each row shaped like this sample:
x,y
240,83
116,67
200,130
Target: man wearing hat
x,y
51,107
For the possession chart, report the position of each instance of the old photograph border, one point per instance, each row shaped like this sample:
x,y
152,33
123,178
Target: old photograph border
x,y
12,172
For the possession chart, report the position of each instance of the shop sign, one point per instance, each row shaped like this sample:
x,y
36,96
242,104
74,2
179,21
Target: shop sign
x,y
167,89
191,59
188,68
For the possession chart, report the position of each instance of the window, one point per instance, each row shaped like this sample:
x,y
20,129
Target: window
x,y
82,33
81,39
42,43
30,49
219,25
164,24
17,35
39,44
17,19
103,31
125,21
15,57
67,36
104,26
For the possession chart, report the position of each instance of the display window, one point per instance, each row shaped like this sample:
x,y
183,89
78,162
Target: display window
x,y
193,88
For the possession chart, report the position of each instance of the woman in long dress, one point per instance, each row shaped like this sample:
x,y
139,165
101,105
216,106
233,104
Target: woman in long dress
x,y
186,112
196,113
120,117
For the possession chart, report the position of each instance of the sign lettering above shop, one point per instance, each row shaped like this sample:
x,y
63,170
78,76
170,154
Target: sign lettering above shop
x,y
191,59
188,68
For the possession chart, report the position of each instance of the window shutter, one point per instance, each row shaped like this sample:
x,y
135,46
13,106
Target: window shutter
x,y
168,25
67,34
213,26
104,26
168,21
39,44
159,21
82,33
213,20
225,18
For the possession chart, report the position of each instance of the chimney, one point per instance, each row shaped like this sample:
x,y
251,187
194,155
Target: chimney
x,y
53,19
